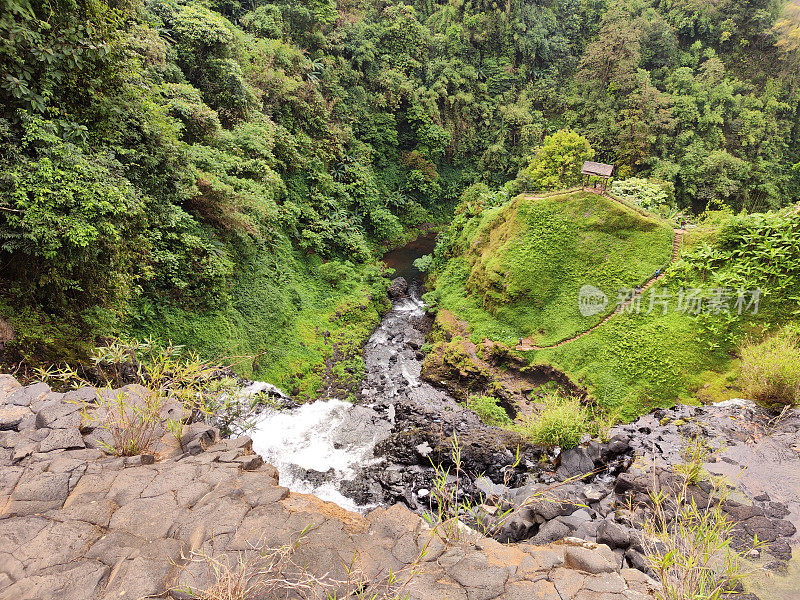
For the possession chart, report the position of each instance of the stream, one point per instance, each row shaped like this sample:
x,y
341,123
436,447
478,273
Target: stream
x,y
327,447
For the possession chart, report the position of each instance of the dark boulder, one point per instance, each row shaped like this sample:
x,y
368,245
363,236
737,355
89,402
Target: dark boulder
x,y
613,534
519,527
552,531
575,462
398,288
637,560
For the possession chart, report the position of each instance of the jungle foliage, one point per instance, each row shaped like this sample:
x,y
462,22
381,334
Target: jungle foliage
x,y
161,160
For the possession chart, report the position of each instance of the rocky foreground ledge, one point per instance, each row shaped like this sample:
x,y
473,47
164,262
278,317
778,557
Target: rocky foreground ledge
x,y
76,523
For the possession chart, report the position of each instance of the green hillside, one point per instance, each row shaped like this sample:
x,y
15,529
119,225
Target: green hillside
x,y
516,269
520,266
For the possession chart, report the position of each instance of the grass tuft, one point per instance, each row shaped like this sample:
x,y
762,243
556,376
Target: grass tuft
x,y
771,369
489,410
562,423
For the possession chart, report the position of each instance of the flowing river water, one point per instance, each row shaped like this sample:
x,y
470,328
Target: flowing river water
x,y
322,447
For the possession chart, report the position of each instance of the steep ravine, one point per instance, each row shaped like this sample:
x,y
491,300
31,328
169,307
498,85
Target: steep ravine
x,y
380,451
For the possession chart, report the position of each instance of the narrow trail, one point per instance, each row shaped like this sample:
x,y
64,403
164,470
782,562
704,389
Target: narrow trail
x,y
677,238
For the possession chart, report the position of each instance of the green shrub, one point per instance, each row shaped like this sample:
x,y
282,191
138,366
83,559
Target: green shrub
x,y
771,369
562,423
645,193
385,225
334,272
423,263
557,163
488,410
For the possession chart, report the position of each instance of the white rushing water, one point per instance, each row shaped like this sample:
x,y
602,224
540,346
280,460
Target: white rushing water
x,y
318,445
324,436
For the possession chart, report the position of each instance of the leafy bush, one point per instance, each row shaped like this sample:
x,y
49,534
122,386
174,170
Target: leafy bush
x,y
771,369
478,197
385,225
62,236
334,272
489,410
265,21
557,163
423,263
645,193
694,454
562,423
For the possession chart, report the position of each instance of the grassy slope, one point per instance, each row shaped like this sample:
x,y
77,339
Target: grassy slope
x,y
285,316
522,264
637,362
631,363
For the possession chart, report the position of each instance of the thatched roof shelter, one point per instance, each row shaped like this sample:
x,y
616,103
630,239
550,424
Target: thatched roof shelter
x,y
595,169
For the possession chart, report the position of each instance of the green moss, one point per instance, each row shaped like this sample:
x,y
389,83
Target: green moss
x,y
522,265
284,324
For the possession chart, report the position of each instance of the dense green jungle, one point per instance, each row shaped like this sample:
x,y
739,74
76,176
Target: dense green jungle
x,y
227,175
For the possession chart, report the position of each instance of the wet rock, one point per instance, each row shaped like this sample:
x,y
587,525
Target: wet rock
x,y
618,444
398,288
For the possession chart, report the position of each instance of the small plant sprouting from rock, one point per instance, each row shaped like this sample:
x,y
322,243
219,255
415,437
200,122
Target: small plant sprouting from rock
x,y
61,376
453,514
167,373
131,425
688,544
694,453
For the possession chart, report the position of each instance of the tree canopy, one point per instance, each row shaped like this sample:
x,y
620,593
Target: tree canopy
x,y
149,148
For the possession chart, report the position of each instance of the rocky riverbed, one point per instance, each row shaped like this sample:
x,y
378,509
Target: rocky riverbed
x,y
77,524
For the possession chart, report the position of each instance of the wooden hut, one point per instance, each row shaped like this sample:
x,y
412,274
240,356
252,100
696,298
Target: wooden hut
x,y
595,169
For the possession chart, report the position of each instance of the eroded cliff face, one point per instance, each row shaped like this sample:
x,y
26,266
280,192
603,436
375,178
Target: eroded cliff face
x,y
76,523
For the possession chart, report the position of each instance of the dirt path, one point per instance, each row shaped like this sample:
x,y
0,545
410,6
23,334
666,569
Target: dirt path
x,y
528,344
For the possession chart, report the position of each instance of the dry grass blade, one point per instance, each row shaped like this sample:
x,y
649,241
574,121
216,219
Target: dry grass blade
x,y
265,572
